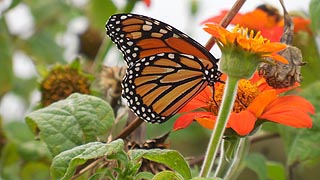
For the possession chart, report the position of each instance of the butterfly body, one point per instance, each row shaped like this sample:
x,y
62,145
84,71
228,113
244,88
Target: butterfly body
x,y
166,68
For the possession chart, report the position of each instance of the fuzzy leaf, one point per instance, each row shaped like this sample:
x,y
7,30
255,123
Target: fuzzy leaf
x,y
171,158
169,175
71,122
64,165
144,175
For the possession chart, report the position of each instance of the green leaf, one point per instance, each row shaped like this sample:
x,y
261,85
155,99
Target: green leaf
x,y
300,143
100,11
276,171
144,176
168,175
64,165
34,150
10,162
71,122
314,11
171,158
35,171
302,147
24,87
308,46
42,47
29,149
52,15
6,51
17,132
312,94
13,4
257,163
202,178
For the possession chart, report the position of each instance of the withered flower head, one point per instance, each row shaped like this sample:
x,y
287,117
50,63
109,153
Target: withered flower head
x,y
110,82
281,75
62,81
284,75
90,42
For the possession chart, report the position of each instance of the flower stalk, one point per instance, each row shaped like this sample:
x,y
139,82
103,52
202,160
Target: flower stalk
x,y
232,152
225,110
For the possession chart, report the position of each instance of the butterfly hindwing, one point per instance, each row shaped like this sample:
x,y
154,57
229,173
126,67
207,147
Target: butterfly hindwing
x,y
158,86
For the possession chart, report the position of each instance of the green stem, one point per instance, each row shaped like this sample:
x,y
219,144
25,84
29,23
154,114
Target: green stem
x,y
232,152
103,50
229,96
107,44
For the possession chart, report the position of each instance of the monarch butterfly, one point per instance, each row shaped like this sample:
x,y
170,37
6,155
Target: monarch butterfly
x,y
166,68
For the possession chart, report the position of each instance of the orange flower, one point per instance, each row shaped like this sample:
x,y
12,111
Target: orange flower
x,y
265,19
254,43
147,2
255,101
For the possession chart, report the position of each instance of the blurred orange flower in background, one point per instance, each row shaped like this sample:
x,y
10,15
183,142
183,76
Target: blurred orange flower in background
x,y
147,2
266,19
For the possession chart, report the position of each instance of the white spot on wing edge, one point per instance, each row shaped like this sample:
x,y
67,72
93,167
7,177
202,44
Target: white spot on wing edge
x,y
146,27
171,56
123,17
163,31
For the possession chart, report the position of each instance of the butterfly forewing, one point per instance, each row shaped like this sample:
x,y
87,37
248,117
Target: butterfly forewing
x,y
138,36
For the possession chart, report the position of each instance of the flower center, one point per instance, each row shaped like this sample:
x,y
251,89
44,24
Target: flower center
x,y
247,92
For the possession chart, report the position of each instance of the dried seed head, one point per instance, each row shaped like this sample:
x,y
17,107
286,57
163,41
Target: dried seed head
x,y
284,75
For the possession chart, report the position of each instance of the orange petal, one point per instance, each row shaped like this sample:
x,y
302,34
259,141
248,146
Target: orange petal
x,y
255,78
217,31
282,90
257,19
258,105
278,58
291,111
273,34
292,101
243,122
217,19
263,86
270,47
207,122
213,29
301,24
185,120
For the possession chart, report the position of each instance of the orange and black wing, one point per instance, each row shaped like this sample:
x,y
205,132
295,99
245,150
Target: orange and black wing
x,y
166,67
138,36
158,86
